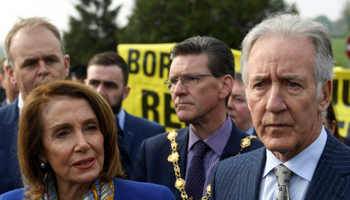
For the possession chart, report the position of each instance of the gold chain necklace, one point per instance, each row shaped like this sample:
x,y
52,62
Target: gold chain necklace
x,y
174,158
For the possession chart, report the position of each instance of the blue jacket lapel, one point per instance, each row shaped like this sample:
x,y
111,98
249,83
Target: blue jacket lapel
x,y
8,137
332,175
233,145
129,131
182,139
253,174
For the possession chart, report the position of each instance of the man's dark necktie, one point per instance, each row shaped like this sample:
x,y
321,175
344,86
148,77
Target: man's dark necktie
x,y
196,175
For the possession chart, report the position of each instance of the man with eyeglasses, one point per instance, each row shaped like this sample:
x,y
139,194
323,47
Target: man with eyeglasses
x,y
200,82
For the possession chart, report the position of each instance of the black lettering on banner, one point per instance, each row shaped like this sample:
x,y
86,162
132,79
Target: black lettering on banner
x,y
341,124
153,69
164,57
168,112
346,93
133,61
335,92
146,107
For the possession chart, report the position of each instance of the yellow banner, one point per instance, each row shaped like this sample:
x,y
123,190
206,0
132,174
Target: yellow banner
x,y
148,98
149,68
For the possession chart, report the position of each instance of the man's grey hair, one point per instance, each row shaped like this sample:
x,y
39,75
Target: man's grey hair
x,y
29,23
291,26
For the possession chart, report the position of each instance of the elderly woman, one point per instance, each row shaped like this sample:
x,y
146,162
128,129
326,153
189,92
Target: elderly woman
x,y
67,148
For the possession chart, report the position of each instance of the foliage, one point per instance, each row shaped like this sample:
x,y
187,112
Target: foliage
x,y
93,32
160,21
338,46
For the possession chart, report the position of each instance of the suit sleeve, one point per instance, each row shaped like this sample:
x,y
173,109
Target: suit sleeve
x,y
140,170
165,194
161,129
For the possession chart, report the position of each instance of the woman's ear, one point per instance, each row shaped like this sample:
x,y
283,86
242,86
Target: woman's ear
x,y
42,158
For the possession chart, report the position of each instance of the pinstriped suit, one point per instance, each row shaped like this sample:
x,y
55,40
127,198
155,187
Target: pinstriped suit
x,y
239,177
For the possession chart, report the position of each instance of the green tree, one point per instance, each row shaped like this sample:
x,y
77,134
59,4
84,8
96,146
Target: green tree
x,y
93,32
159,21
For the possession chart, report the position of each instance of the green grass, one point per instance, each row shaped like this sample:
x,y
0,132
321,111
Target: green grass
x,y
338,46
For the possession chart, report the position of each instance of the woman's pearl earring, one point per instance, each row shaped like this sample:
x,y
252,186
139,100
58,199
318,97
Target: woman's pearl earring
x,y
42,165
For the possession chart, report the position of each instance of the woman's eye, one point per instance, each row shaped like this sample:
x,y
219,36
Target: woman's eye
x,y
62,134
91,128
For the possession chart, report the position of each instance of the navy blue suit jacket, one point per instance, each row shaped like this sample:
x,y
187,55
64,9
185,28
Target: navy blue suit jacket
x,y
9,168
152,165
240,177
123,190
137,129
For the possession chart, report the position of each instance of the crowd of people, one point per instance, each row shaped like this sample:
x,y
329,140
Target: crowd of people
x,y
267,132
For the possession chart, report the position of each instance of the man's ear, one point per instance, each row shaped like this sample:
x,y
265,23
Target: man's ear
x,y
126,92
225,86
11,75
66,65
325,95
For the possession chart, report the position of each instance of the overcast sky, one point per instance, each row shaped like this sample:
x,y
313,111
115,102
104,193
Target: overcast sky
x,y
58,11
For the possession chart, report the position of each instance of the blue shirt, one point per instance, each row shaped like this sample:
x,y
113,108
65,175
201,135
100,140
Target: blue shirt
x,y
302,165
121,117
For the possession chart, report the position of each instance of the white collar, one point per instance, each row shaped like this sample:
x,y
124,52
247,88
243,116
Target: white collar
x,y
20,104
303,164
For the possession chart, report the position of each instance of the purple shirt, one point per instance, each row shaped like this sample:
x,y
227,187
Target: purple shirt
x,y
217,142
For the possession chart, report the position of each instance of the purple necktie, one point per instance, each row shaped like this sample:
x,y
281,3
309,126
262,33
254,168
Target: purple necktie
x,y
196,176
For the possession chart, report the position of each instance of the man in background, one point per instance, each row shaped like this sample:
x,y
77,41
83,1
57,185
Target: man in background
x,y
78,73
107,73
35,55
238,107
11,89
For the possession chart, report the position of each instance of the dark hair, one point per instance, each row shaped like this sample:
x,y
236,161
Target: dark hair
x,y
238,77
220,57
78,71
330,116
31,129
111,58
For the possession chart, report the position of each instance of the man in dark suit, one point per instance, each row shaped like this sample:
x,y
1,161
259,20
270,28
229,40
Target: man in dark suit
x,y
200,81
35,55
11,90
107,73
287,67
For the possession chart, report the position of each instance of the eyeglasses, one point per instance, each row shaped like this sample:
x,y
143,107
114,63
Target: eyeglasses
x,y
186,79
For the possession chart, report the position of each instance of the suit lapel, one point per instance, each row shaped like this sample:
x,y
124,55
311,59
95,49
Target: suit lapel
x,y
182,140
331,177
9,133
233,145
129,132
251,177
